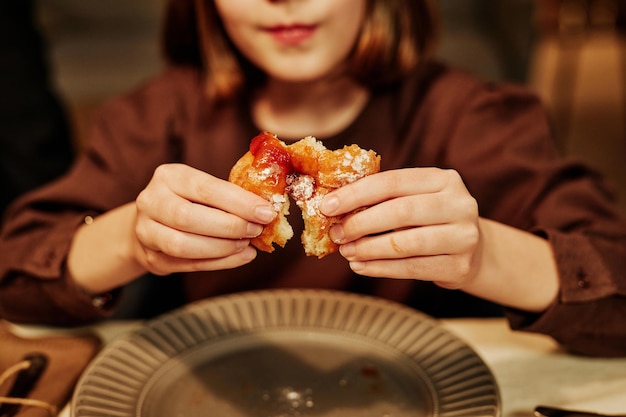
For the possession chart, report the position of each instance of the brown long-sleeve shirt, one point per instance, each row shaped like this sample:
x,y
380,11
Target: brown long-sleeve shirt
x,y
496,136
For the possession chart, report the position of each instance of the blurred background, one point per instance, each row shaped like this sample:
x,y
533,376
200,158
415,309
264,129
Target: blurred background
x,y
571,52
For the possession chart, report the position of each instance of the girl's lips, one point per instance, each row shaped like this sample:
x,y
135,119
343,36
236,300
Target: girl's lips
x,y
291,34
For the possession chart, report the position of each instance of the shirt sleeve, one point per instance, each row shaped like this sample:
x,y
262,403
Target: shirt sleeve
x,y
503,148
130,138
587,317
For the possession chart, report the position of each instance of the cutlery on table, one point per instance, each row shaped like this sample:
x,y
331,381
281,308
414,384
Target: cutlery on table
x,y
24,382
545,411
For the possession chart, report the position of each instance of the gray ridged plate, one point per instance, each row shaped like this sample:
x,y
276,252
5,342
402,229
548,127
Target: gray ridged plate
x,y
288,353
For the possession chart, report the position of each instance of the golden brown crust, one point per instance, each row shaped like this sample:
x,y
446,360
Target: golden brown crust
x,y
279,231
311,172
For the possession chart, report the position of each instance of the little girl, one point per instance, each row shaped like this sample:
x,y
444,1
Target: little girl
x,y
473,212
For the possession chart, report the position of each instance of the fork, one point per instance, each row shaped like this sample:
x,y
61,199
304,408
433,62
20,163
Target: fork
x,y
545,411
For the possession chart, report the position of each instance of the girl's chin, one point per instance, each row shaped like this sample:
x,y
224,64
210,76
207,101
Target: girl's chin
x,y
285,79
303,75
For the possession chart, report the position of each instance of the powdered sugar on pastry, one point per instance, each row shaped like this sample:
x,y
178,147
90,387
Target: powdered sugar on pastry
x,y
306,171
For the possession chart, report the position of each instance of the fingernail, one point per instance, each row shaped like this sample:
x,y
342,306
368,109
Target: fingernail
x,y
265,214
248,254
253,230
348,250
330,205
337,234
357,266
242,243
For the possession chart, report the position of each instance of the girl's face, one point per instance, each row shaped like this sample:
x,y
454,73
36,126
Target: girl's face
x,y
293,40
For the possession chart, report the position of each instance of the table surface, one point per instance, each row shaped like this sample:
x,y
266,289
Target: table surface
x,y
529,368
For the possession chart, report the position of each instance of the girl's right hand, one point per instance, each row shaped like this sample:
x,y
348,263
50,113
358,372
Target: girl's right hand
x,y
188,220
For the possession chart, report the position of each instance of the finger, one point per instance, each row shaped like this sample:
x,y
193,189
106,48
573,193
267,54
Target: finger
x,y
383,186
406,212
160,263
234,199
179,244
183,215
446,270
199,187
444,239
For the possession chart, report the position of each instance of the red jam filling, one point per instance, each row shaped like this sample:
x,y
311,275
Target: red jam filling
x,y
268,151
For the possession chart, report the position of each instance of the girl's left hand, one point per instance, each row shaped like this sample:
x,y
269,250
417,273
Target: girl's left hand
x,y
419,223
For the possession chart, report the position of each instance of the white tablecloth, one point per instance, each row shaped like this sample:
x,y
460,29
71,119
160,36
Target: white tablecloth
x,y
531,370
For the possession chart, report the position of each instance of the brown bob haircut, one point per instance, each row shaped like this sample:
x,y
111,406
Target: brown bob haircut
x,y
396,36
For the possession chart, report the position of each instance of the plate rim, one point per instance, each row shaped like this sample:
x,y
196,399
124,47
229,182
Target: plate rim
x,y
233,322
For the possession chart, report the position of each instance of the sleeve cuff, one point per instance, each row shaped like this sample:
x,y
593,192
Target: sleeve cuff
x,y
584,273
